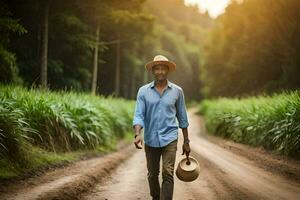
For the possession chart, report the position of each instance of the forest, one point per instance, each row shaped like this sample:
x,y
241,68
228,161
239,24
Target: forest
x,y
70,71
102,46
98,46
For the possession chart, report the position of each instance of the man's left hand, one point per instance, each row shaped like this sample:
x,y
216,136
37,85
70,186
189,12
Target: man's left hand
x,y
186,149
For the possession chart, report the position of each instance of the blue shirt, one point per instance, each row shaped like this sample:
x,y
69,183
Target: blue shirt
x,y
157,113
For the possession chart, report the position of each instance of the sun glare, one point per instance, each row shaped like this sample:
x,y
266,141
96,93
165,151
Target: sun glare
x,y
214,7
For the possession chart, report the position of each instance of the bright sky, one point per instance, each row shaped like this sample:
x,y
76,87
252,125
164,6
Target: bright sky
x,y
214,7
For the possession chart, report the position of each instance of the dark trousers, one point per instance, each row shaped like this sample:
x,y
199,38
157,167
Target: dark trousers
x,y
168,154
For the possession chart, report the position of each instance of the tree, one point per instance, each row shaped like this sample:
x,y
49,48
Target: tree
x,y
44,42
8,26
95,62
253,49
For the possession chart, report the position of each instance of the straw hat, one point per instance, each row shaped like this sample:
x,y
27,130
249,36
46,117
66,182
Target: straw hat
x,y
162,60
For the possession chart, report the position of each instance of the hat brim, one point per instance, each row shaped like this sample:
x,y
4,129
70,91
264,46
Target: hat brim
x,y
170,64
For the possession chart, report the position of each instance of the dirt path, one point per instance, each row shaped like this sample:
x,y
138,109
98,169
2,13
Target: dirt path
x,y
224,175
228,171
68,182
127,182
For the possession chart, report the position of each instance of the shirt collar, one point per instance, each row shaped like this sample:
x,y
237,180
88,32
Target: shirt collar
x,y
168,82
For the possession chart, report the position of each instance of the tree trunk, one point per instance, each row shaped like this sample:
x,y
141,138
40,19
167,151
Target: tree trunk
x,y
44,46
95,63
118,67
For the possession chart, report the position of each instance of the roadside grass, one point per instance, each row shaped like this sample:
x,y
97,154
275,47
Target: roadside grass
x,y
41,127
269,121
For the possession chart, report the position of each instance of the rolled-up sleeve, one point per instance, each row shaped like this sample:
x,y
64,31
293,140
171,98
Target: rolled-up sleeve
x,y
181,113
139,114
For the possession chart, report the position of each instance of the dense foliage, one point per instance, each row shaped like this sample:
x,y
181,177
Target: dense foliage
x,y
131,33
269,121
59,122
253,48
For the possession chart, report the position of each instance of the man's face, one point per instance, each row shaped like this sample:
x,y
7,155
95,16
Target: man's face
x,y
160,72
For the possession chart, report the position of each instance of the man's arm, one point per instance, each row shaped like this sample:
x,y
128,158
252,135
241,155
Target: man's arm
x,y
183,122
185,134
186,142
181,113
137,129
138,121
137,137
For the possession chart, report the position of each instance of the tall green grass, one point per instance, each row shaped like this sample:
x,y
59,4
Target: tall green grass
x,y
58,121
269,121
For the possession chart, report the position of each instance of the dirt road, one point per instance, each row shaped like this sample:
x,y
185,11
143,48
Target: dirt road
x,y
224,175
228,171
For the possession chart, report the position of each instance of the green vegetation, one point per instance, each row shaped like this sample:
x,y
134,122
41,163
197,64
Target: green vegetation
x,y
101,46
253,48
269,121
37,124
131,33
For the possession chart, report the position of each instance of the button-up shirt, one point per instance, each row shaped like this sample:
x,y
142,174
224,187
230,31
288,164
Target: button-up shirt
x,y
157,113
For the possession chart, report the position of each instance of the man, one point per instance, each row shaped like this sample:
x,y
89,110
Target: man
x,y
158,105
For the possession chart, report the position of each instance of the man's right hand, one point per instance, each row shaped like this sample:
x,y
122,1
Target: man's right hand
x,y
137,141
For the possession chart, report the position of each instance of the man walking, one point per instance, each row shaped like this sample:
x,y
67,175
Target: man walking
x,y
158,105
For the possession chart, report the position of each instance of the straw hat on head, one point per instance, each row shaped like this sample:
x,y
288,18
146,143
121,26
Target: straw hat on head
x,y
160,60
